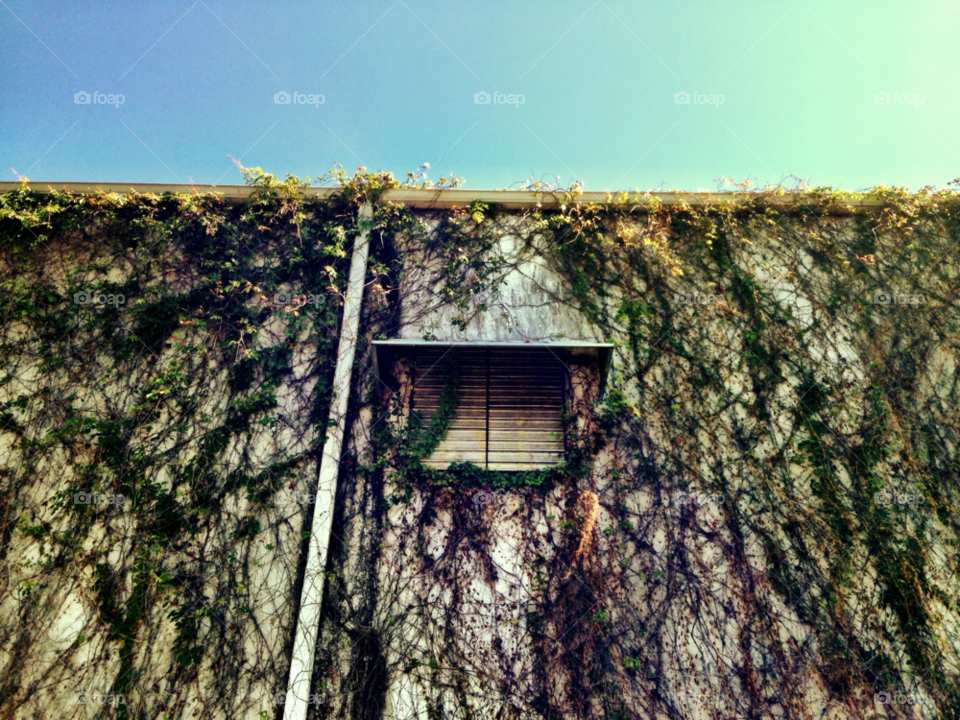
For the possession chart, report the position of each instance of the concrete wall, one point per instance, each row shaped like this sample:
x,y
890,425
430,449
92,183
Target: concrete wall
x,y
699,497
705,564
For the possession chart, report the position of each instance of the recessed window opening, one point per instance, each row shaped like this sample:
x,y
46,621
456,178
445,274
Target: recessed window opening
x,y
508,407
498,405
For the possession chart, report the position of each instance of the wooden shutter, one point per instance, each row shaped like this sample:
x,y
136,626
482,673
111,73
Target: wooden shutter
x,y
525,401
509,402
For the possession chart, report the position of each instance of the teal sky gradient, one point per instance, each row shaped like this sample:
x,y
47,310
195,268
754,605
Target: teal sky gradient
x,y
799,82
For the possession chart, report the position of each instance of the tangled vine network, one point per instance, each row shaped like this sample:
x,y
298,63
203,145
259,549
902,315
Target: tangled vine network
x,y
757,517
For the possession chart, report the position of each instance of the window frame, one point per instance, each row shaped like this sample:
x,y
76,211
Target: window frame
x,y
387,352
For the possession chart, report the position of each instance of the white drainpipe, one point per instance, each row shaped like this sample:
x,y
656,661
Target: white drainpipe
x,y
311,597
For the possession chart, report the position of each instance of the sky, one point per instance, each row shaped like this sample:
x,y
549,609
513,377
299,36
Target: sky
x,y
616,94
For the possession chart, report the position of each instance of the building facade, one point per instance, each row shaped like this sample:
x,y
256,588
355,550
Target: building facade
x,y
407,453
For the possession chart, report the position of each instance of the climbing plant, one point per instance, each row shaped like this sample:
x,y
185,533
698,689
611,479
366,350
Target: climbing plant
x,y
166,366
750,483
737,525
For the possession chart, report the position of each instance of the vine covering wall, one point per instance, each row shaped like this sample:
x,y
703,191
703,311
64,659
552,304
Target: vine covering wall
x,y
757,518
166,373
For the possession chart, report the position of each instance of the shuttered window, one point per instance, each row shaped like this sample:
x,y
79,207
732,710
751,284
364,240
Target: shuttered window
x,y
509,403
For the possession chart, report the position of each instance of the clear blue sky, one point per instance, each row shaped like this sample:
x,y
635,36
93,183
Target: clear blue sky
x,y
799,82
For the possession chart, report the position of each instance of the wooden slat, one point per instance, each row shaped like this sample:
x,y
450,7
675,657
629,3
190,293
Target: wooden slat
x,y
516,408
520,435
523,407
525,395
458,455
522,457
525,466
524,448
542,412
526,398
467,435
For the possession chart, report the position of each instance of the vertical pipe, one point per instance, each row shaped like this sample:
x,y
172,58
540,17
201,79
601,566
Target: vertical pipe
x,y
311,596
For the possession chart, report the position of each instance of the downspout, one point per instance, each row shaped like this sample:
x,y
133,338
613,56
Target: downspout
x,y
311,596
